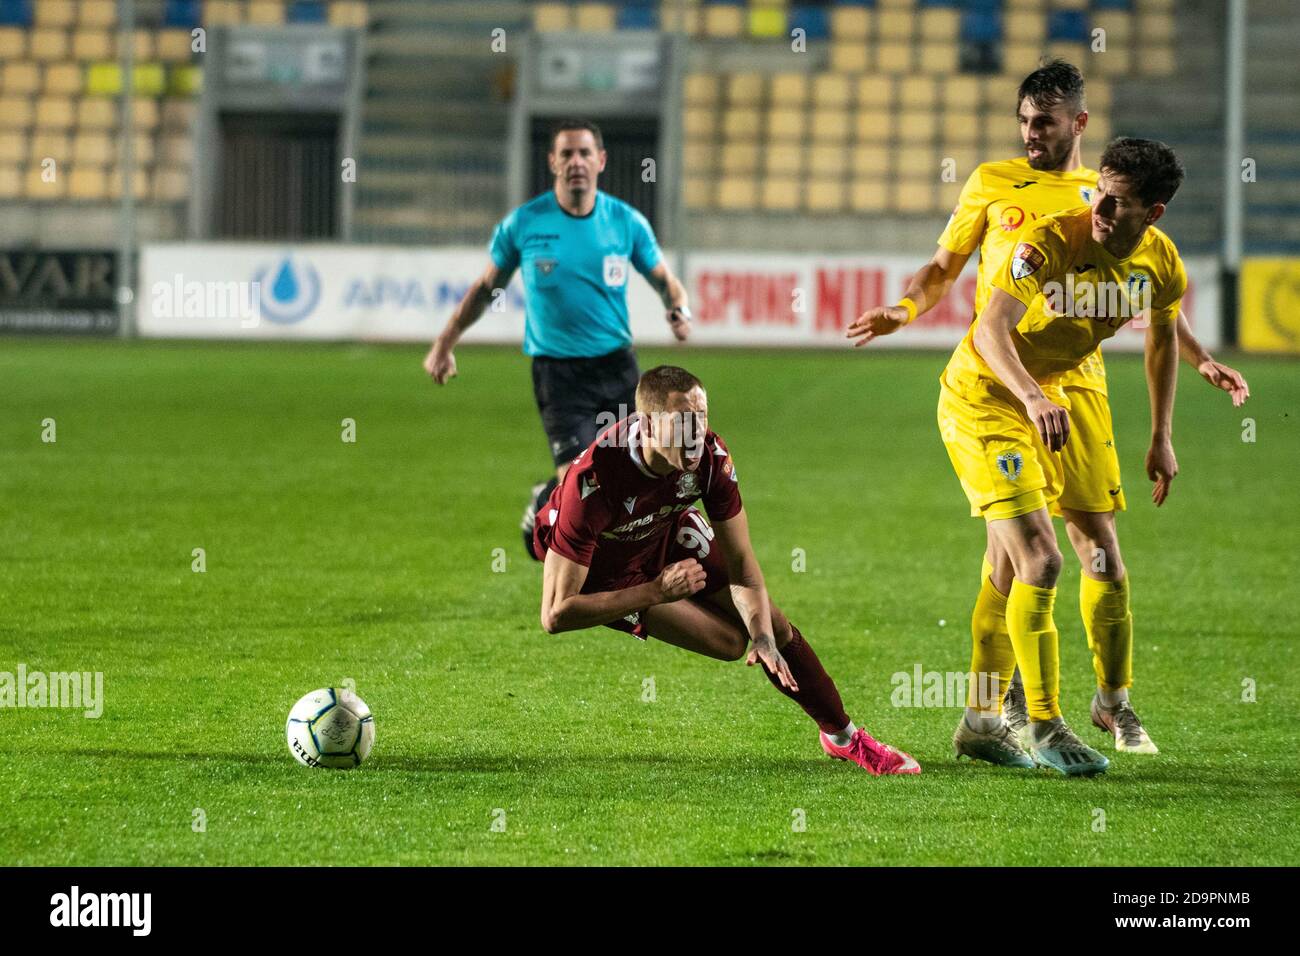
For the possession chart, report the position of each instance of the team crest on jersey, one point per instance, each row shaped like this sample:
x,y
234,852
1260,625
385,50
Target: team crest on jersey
x,y
729,470
1010,463
688,485
1085,193
1025,261
1138,287
616,271
546,266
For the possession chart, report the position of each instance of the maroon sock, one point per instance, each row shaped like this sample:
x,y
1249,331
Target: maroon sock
x,y
817,694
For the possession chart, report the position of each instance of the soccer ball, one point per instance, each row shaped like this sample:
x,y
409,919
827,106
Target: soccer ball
x,y
331,727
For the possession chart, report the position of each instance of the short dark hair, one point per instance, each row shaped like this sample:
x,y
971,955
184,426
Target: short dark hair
x,y
566,125
655,385
1055,82
1152,168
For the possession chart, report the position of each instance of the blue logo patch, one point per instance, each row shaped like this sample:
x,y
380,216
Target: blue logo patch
x,y
1086,193
290,293
1010,463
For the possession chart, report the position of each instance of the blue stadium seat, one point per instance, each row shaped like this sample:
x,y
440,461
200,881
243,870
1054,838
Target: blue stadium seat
x,y
306,11
16,13
637,15
1112,4
940,3
1070,26
182,13
981,27
982,6
855,3
812,20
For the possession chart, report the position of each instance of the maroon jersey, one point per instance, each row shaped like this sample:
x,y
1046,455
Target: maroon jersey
x,y
616,517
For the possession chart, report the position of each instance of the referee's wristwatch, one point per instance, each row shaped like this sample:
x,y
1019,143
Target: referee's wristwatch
x,y
681,313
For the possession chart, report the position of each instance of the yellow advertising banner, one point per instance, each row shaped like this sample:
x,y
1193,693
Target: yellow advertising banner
x,y
1270,305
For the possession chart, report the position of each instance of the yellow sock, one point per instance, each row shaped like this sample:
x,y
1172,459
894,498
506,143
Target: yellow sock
x,y
1108,623
1033,635
992,658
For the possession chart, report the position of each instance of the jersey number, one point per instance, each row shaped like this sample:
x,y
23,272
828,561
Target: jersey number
x,y
695,539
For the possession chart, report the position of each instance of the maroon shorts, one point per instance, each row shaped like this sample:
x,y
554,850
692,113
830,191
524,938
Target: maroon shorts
x,y
691,538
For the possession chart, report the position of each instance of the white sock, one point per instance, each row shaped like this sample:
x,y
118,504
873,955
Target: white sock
x,y
844,736
1112,698
982,722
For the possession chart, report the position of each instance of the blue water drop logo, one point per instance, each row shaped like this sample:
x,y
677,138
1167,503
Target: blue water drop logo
x,y
292,294
285,288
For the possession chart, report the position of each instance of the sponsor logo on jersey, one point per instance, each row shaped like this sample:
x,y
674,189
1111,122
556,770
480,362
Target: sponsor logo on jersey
x,y
1013,217
616,271
1010,463
1025,261
546,266
1085,193
1027,182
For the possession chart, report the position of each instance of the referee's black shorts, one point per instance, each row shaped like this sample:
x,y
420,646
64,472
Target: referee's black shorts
x,y
578,397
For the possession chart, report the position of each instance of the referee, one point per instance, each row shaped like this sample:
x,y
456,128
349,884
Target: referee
x,y
576,246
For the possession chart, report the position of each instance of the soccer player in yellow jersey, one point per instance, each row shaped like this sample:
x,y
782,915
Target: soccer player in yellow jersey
x,y
998,203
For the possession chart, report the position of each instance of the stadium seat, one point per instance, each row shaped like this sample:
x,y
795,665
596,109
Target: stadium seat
x,y
178,115
186,14
1156,61
11,181
789,89
49,44
961,92
87,182
741,123
1069,26
174,46
699,156
940,58
1116,61
917,126
867,195
141,180
20,77
91,45
767,21
96,114
1070,52
831,90
831,124
36,186
637,16
1125,5
16,13
1020,58
65,78
787,124
740,157
55,112
144,113
15,112
869,160
54,13
738,192
918,162
940,24
698,193
722,22
894,57
13,43
306,11
918,92
183,79
828,160
699,123
1156,27
959,127
965,159
914,195
872,125
171,185
1118,27
979,26
352,14
824,195
894,25
266,12
97,13
875,91
783,159
595,18
144,45
744,89
1071,5
683,20
222,13
13,146
812,20
850,57
781,194
850,23
94,148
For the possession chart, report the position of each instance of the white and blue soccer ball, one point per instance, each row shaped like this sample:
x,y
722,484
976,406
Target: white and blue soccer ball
x,y
330,727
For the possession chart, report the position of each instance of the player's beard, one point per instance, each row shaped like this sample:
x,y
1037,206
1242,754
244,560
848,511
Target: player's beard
x,y
1053,158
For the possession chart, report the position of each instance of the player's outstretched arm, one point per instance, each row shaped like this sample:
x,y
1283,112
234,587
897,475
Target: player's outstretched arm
x,y
927,288
1162,379
1216,373
673,295
749,594
440,363
565,608
993,342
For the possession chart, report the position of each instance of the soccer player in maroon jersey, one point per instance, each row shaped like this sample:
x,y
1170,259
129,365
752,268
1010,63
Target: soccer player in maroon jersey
x,y
624,546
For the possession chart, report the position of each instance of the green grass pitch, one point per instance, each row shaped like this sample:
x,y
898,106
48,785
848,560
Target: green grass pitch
x,y
373,560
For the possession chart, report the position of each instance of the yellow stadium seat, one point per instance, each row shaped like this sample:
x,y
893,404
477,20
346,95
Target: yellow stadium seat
x,y
894,57
94,149
49,44
737,192
1155,6
185,80
45,182
918,92
783,159
144,113
1000,92
894,25
1023,27
697,155
141,180
20,77
551,18
940,58
875,92
940,24
595,18
1069,52
868,195
97,13
63,78
850,57
917,126
740,157
831,90
826,160
1021,57
90,45
766,22
831,125
13,146
914,195
1070,4
93,114
104,79
1099,95
1116,61
781,194
1099,128
698,193
150,79
896,4
266,12
786,124
1156,61
54,13
961,92
348,13
11,182
683,20
178,115
961,127
724,22
1031,6
850,23
87,182
869,161
701,89
918,162
699,122
222,13
744,89
144,45
872,125
55,112
15,112
965,159
825,195
174,46
13,44
789,89
1155,27
741,124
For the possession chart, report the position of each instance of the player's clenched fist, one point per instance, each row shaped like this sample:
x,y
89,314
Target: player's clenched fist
x,y
680,580
440,364
1051,420
878,321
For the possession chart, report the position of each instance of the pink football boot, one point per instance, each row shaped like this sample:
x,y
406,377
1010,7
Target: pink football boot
x,y
871,755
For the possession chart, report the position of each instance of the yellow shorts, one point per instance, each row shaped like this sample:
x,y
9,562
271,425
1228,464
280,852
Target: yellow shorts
x,y
1092,481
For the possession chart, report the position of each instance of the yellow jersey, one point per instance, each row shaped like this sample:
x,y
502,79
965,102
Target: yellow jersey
x,y
1077,295
999,202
